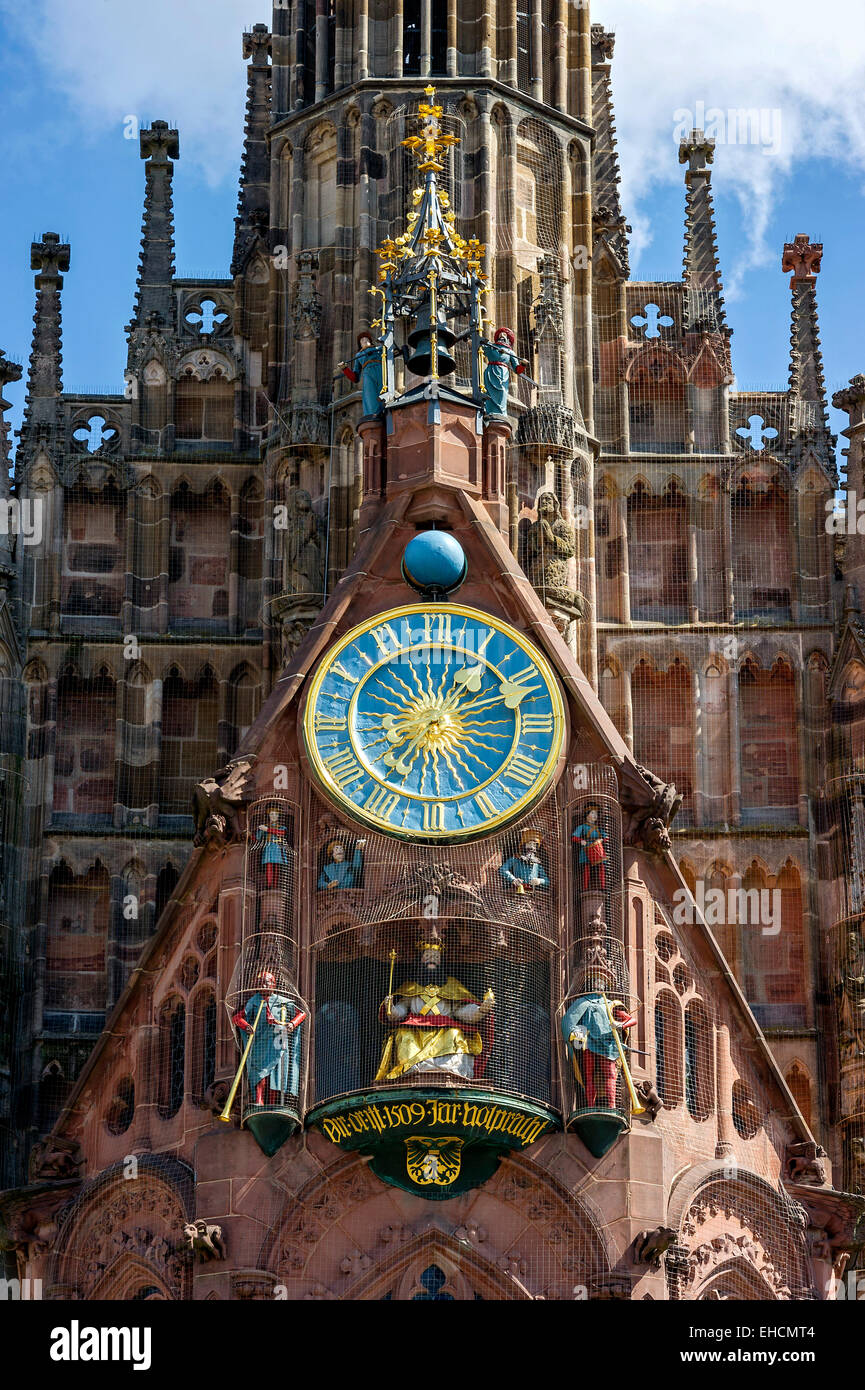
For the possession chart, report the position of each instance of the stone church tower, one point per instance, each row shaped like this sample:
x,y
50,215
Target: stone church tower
x,y
634,952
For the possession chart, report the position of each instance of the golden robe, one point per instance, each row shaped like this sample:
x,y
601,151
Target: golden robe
x,y
415,1042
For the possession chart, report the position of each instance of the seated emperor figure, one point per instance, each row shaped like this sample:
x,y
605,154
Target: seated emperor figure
x,y
430,1014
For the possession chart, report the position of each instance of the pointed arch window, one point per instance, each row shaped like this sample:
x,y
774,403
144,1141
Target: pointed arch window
x,y
411,37
668,1048
769,741
172,1057
698,1088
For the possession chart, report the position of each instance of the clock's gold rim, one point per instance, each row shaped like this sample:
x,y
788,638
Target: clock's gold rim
x,y
358,813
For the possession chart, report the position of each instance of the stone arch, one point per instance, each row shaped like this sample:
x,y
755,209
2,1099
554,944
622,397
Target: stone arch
x,y
314,1240
468,1276
122,1230
725,1220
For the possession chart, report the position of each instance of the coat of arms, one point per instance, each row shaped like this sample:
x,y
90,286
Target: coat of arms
x,y
431,1161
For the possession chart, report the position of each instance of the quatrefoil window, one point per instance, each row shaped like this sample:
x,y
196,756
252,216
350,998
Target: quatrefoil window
x,y
206,316
95,433
756,433
652,320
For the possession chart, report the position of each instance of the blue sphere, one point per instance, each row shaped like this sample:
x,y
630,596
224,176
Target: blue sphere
x,y
434,562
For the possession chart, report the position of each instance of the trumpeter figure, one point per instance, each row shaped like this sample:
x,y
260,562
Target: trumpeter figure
x,y
367,369
524,872
273,1021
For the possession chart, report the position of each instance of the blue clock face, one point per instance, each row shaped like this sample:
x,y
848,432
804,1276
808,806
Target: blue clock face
x,y
434,723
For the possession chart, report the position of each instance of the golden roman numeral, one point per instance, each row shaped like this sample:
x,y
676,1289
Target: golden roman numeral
x,y
486,807
433,815
346,675
330,724
385,639
382,803
344,768
537,723
523,769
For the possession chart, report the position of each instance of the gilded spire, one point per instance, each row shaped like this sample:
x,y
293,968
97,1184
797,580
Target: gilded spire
x,y
431,273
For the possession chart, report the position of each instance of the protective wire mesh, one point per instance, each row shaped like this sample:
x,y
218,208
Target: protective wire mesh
x,y
263,1000
461,941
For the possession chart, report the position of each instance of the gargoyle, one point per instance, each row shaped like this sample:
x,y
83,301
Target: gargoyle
x,y
204,1241
217,802
806,1163
648,825
651,1246
55,1160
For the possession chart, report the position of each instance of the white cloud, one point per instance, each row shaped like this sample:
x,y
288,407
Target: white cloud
x,y
182,62
160,59
801,66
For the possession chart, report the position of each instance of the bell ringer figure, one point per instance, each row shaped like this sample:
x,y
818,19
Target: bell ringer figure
x,y
272,1022
592,1026
367,369
430,1013
501,361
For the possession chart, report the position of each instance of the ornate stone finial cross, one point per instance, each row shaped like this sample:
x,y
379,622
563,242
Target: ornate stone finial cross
x,y
757,433
258,45
652,320
159,144
803,257
697,151
49,256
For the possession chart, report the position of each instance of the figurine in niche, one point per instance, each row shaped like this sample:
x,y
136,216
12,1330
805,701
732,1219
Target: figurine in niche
x,y
304,551
366,368
272,840
501,361
551,543
590,841
524,872
273,1061
591,1027
430,1013
339,872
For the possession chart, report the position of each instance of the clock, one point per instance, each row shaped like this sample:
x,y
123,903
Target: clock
x,y
435,723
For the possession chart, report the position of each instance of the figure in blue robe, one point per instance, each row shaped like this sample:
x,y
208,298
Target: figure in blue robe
x,y
501,361
272,840
588,1032
273,1063
338,872
524,872
366,368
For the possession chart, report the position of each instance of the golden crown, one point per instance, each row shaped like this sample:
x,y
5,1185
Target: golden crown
x,y
430,946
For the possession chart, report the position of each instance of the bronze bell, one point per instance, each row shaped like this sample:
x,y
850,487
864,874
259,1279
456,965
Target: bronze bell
x,y
420,361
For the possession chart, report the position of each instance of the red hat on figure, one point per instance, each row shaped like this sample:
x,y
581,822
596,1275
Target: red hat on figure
x,y
508,334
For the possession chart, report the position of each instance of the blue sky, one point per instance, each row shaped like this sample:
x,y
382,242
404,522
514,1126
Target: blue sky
x,y
73,71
